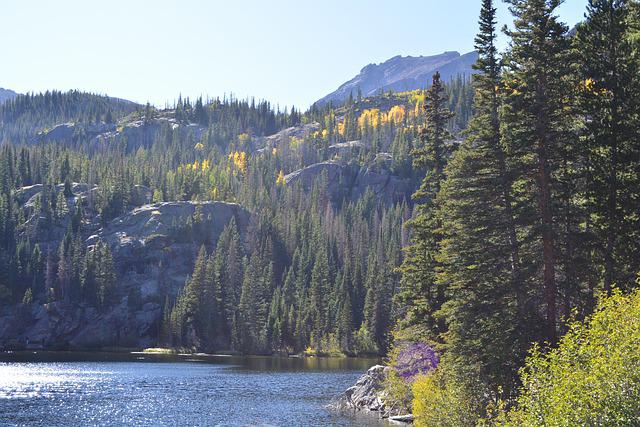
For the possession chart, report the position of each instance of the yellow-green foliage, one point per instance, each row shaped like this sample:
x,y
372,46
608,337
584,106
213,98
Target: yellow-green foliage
x,y
439,401
592,378
160,350
398,391
326,346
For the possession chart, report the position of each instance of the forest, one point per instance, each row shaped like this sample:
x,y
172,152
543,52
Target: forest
x,y
525,234
315,271
493,221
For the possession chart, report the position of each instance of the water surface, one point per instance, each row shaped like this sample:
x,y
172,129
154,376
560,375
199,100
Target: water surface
x,y
69,389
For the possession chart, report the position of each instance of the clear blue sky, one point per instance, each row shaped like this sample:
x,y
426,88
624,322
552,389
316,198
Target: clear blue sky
x,y
286,51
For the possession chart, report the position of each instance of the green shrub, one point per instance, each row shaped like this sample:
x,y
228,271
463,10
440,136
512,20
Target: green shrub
x,y
438,400
397,389
592,378
364,343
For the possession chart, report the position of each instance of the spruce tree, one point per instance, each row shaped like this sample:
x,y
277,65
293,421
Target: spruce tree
x,y
479,253
536,121
609,96
420,294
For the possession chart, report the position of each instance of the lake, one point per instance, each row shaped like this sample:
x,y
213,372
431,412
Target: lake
x,y
70,389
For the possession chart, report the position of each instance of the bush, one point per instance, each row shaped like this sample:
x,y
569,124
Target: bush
x,y
592,378
414,359
408,360
439,401
364,343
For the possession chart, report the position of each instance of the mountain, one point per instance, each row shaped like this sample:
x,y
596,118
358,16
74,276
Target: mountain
x,y
6,94
403,73
117,207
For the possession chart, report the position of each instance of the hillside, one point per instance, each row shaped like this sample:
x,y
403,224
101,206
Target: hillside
x,y
401,74
117,209
6,94
23,116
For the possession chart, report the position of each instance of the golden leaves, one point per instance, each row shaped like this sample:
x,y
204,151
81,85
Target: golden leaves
x,y
239,159
374,117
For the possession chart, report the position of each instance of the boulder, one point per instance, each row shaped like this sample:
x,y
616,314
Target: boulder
x,y
367,393
401,419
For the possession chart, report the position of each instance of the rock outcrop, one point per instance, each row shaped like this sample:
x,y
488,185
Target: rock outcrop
x,y
368,394
153,246
368,391
285,136
133,132
60,325
351,181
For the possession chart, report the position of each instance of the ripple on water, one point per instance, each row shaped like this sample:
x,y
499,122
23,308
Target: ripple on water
x,y
148,393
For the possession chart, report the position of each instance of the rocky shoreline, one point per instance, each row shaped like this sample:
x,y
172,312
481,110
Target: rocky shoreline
x,y
368,394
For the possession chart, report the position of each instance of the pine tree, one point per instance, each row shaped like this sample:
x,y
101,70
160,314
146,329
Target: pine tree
x,y
105,274
536,121
485,314
420,294
609,96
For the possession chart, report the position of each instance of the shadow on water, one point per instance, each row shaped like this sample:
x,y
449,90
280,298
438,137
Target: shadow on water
x,y
251,363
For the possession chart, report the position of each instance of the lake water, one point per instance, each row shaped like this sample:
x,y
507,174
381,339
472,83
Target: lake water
x,y
72,389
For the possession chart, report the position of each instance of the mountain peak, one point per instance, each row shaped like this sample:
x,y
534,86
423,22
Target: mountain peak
x,y
402,73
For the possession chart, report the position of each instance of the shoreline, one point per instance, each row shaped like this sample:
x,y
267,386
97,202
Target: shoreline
x,y
160,351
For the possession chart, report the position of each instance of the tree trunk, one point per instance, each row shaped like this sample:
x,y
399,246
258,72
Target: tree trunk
x,y
548,258
544,207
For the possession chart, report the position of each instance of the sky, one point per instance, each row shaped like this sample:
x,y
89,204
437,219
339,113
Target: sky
x,y
290,52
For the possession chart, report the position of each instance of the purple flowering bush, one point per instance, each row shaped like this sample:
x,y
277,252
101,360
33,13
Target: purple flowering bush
x,y
408,360
414,359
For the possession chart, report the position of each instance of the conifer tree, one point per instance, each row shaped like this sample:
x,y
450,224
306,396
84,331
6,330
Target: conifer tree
x,y
421,295
609,96
536,123
479,252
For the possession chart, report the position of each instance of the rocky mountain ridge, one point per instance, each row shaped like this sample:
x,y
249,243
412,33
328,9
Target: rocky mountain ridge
x,y
6,94
402,73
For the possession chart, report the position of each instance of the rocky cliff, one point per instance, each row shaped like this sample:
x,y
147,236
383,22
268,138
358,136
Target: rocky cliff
x,y
133,132
402,73
153,250
350,180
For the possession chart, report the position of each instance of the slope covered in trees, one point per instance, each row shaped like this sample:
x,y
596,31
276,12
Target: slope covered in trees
x,y
314,269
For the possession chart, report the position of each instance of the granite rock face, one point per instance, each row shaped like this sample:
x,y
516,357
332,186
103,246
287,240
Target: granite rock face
x,y
285,136
154,247
351,181
367,393
133,132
